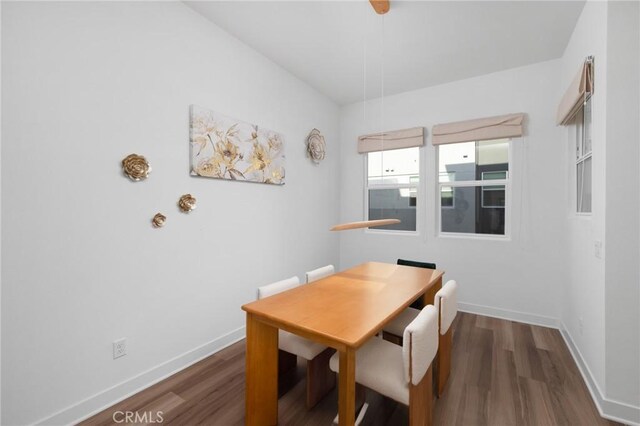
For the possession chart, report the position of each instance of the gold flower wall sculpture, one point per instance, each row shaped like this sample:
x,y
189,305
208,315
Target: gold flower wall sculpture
x,y
158,220
136,167
187,203
316,146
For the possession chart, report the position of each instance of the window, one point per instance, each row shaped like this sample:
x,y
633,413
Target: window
x,y
391,189
494,195
473,187
447,197
583,158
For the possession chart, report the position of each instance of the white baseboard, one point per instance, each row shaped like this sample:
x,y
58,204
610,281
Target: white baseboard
x,y
608,408
506,314
105,399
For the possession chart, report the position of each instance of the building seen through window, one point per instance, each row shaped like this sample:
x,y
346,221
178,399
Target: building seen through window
x,y
473,178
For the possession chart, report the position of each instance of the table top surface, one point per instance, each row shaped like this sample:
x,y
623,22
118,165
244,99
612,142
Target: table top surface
x,y
348,307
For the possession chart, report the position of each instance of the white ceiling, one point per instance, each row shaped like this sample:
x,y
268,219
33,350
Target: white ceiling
x,y
325,43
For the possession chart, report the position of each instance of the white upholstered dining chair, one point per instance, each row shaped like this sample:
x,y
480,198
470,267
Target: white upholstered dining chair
x,y
320,379
402,373
446,301
320,273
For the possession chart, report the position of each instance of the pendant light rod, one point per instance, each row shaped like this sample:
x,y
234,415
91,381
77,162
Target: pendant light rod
x,y
380,6
364,224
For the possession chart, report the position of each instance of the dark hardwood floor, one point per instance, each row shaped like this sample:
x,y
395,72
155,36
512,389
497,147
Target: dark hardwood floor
x,y
503,373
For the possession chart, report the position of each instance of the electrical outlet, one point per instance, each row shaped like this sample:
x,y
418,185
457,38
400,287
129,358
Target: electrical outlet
x,y
119,348
580,325
597,245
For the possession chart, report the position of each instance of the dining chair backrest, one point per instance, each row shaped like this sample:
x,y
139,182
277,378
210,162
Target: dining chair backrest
x,y
426,265
420,344
278,287
320,273
446,300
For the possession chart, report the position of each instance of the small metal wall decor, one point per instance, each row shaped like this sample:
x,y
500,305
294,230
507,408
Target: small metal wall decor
x,y
316,146
187,203
158,220
136,167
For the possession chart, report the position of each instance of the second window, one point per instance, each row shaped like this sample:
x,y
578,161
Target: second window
x,y
473,186
393,179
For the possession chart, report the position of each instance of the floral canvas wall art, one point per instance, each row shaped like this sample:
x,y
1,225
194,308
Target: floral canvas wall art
x,y
226,148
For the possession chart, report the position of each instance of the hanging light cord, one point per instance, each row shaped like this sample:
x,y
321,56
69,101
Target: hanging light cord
x,y
382,110
364,72
382,80
381,222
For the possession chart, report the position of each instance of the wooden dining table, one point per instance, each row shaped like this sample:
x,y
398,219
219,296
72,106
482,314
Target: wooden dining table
x,y
341,311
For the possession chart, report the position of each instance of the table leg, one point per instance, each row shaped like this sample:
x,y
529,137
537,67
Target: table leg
x,y
261,389
429,296
347,390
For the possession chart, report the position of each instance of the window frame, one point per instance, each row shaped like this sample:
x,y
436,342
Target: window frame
x,y
486,188
477,183
453,190
489,188
453,200
417,187
581,158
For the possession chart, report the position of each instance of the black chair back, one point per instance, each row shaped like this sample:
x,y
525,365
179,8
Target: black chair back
x,y
425,265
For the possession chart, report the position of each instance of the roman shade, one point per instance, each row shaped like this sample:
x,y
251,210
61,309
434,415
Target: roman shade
x,y
397,139
498,127
574,97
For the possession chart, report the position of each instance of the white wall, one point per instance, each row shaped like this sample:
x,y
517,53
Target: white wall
x,y
603,292
531,272
622,310
584,290
85,84
0,214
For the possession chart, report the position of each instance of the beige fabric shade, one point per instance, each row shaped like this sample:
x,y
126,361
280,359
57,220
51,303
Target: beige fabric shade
x,y
397,139
499,127
575,95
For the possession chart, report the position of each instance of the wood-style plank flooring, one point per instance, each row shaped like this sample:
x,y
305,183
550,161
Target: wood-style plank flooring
x,y
503,373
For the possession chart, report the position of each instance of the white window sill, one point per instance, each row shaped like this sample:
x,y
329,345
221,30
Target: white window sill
x,y
481,237
391,232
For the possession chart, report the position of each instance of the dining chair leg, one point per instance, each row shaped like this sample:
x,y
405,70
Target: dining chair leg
x,y
287,371
421,401
286,362
361,396
443,361
429,297
320,378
